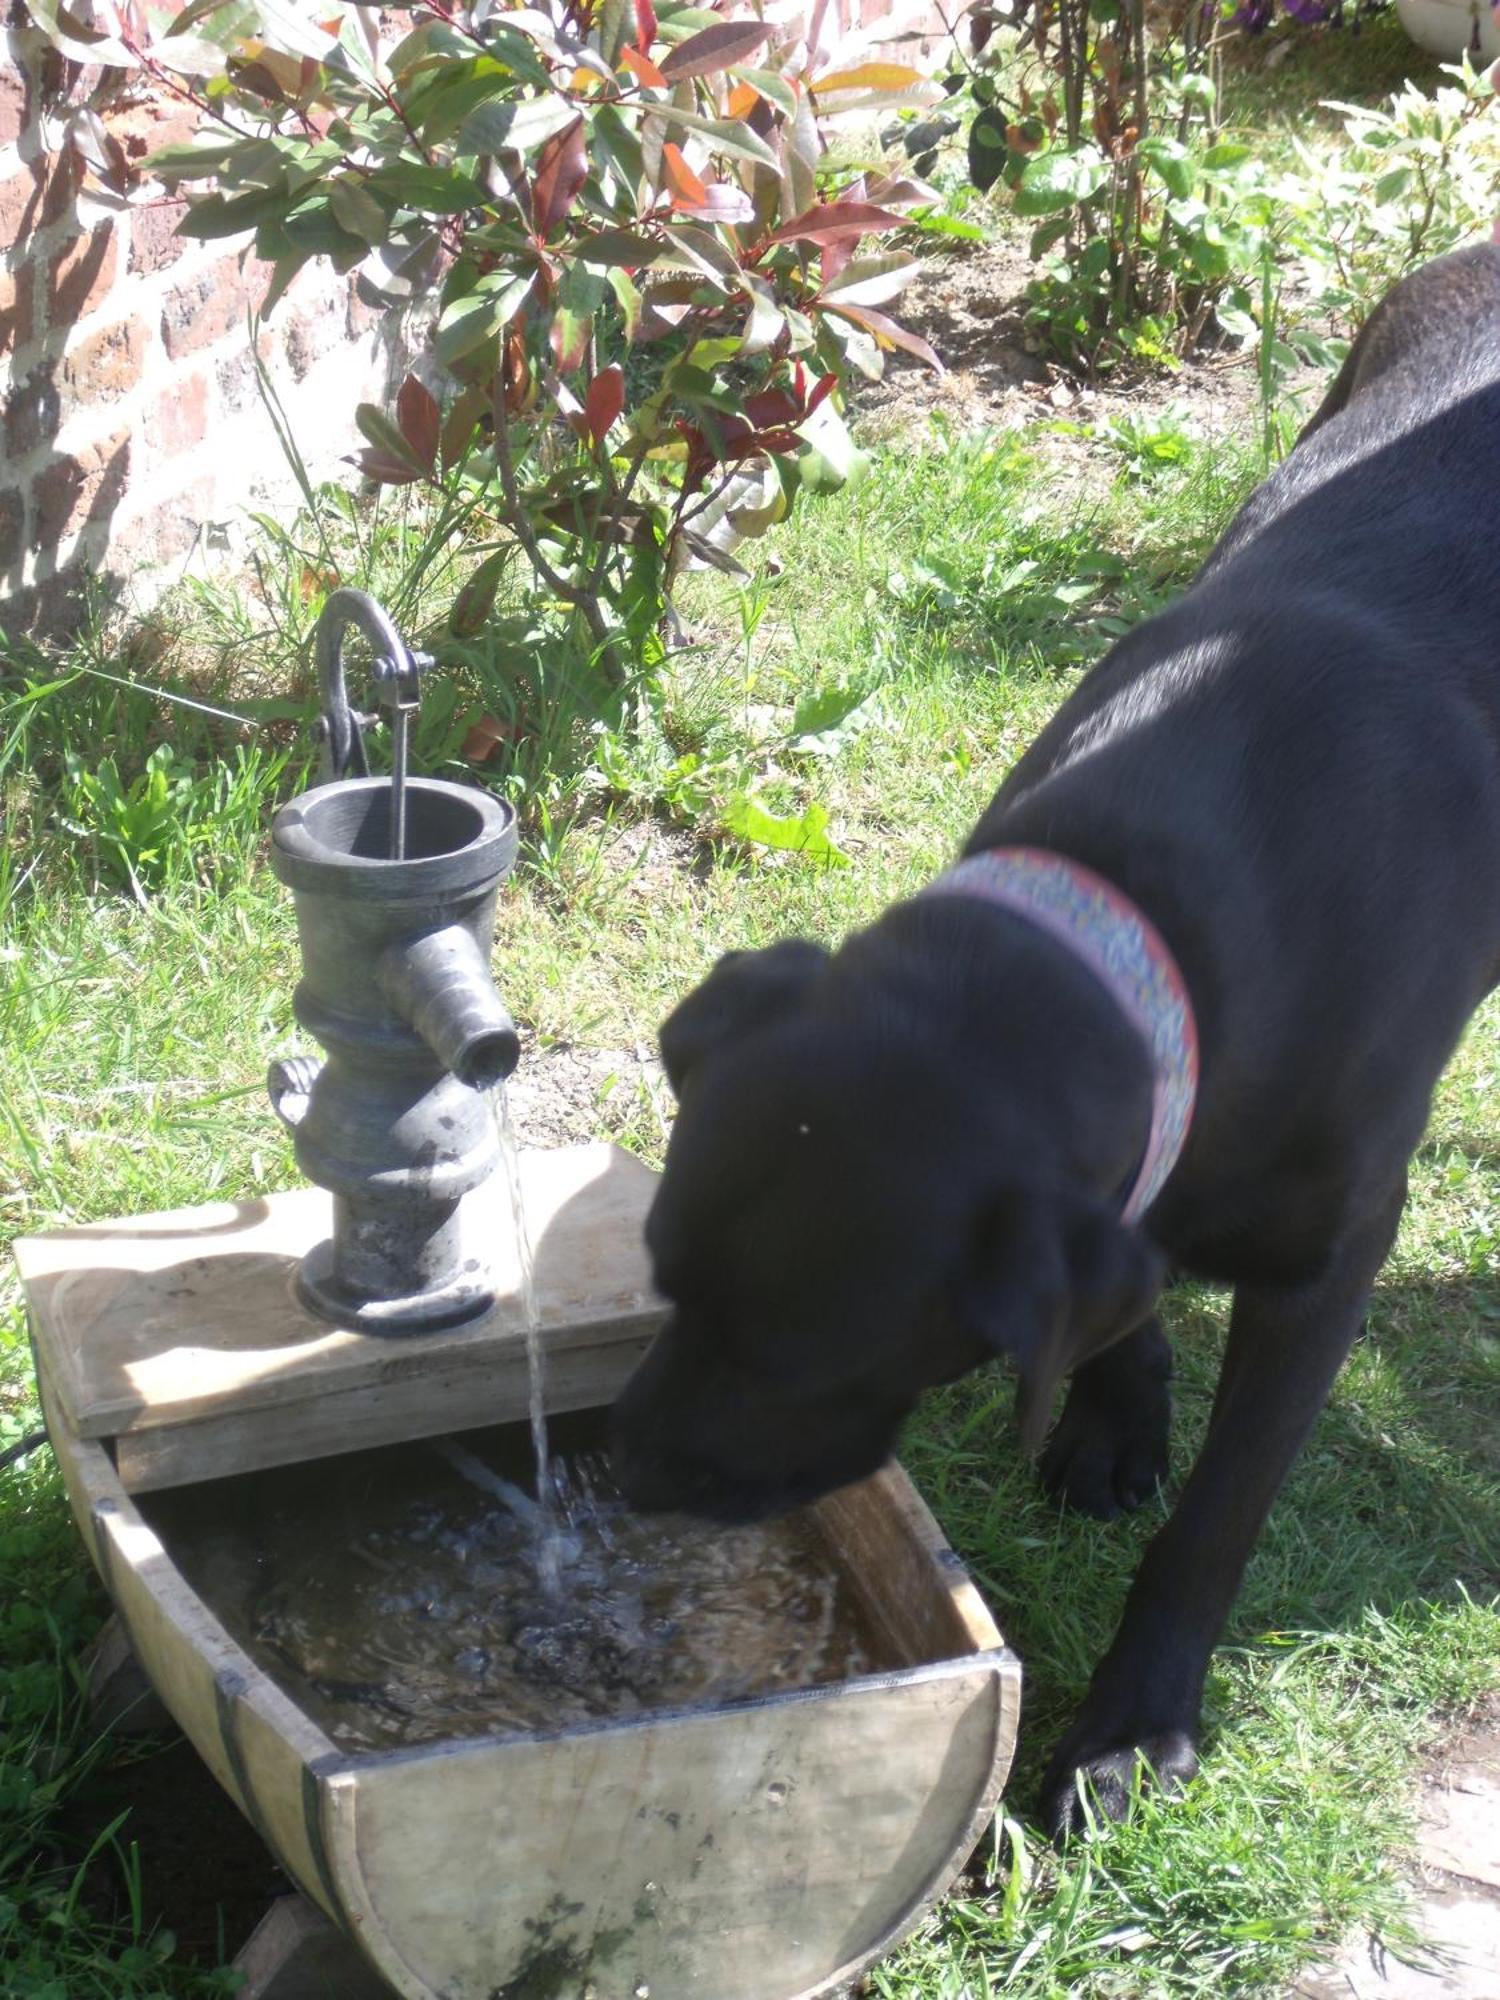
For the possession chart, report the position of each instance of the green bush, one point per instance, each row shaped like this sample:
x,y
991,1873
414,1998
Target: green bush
x,y
649,292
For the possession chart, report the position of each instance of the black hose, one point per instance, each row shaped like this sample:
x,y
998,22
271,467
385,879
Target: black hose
x,y
22,1448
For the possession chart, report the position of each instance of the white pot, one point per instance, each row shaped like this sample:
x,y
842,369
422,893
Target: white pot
x,y
1447,28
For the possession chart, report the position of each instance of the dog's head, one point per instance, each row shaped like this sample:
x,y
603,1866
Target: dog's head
x,y
847,1217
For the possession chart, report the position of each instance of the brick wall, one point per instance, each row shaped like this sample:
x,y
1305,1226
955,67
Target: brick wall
x,y
133,428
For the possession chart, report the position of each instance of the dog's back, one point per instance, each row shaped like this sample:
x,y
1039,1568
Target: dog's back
x,y
1410,434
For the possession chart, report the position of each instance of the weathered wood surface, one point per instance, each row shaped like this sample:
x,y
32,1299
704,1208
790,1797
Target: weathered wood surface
x,y
751,1853
755,1853
256,1741
179,1335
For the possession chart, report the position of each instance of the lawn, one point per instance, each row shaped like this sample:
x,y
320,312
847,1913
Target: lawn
x,y
146,967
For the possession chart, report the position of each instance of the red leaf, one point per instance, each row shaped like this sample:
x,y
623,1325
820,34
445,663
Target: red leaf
x,y
835,256
684,183
771,441
642,68
419,420
383,468
827,221
887,332
716,48
773,407
826,386
645,26
562,167
604,401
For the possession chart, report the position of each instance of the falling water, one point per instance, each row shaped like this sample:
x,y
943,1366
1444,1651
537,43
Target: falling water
x,y
549,1550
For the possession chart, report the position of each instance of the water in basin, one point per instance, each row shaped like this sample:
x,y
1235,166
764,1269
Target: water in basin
x,y
404,1596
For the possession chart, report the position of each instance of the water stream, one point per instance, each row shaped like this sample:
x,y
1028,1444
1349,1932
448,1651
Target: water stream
x,y
549,1554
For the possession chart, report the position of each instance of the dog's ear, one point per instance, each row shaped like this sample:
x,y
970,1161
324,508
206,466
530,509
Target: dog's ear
x,y
1056,1279
746,990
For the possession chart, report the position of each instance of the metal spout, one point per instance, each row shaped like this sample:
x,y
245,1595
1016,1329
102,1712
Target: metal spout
x,y
441,986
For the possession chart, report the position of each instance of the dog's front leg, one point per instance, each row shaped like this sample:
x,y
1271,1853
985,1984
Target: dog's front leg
x,y
1108,1451
1286,1344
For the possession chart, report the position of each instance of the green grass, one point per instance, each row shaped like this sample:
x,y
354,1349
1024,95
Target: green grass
x,y
967,592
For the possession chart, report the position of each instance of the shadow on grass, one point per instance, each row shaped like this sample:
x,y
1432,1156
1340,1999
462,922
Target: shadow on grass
x,y
1393,1506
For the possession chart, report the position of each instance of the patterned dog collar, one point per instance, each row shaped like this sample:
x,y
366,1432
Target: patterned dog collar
x,y
1127,955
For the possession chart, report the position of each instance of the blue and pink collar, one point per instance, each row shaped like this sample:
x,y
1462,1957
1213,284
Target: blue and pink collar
x,y
1127,955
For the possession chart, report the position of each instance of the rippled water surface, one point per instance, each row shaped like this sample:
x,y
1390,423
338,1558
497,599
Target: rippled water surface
x,y
404,1596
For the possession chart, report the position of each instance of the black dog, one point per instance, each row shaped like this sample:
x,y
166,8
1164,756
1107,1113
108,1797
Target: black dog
x,y
897,1162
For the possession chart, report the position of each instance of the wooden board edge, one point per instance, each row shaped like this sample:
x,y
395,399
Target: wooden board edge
x,y
1006,1685
338,1798
357,1419
902,1513
136,1568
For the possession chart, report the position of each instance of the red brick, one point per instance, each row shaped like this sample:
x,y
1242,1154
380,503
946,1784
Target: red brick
x,y
204,310
180,419
154,242
17,308
20,202
15,102
311,332
106,365
77,489
33,411
82,276
170,529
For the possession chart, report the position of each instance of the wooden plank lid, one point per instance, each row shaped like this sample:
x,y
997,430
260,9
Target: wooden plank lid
x,y
189,1316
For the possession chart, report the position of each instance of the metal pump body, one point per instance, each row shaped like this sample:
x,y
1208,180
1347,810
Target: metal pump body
x,y
394,882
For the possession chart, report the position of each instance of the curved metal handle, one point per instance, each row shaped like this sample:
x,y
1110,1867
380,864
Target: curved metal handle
x,y
397,675
343,745
289,1083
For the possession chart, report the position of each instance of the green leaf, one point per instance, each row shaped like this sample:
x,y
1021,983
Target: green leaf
x,y
1060,181
356,210
217,215
797,833
829,458
427,190
729,135
469,321
988,148
773,88
872,281
1171,160
828,718
612,139
628,297
374,424
476,600
520,126
1228,153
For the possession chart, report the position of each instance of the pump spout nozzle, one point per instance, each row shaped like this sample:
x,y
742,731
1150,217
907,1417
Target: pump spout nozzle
x,y
440,983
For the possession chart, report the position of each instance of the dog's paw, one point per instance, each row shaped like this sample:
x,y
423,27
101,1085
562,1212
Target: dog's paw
x,y
1109,1458
1102,1783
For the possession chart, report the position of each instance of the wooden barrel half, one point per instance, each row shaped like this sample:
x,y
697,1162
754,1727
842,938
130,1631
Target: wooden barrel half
x,y
755,1852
